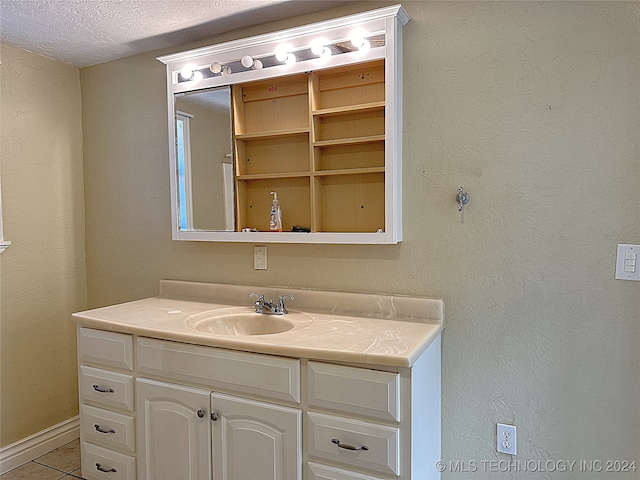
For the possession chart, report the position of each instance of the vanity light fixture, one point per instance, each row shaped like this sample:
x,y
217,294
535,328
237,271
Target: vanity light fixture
x,y
320,49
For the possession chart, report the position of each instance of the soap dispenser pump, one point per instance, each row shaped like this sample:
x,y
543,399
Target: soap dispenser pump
x,y
275,221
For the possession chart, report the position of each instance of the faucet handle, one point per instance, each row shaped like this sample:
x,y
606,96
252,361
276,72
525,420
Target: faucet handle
x,y
282,310
259,295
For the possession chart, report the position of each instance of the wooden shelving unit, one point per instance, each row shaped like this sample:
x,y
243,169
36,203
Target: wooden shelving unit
x,y
317,139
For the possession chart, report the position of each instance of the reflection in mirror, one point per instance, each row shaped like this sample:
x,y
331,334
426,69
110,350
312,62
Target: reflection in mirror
x,y
204,160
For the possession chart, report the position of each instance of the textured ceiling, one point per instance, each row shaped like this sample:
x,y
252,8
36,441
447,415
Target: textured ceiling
x,y
88,32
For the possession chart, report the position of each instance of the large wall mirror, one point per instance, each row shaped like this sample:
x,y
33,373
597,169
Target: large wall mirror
x,y
313,113
204,160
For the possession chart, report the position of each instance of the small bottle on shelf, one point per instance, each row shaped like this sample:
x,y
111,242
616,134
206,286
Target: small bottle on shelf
x,y
275,221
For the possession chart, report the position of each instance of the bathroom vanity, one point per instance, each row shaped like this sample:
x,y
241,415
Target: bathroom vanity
x,y
193,384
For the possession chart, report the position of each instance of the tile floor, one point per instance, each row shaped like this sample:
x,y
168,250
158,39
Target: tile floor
x,y
61,463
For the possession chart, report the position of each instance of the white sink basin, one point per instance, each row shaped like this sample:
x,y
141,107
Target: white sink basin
x,y
244,321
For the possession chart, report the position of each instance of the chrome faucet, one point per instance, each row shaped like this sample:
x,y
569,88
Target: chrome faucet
x,y
269,308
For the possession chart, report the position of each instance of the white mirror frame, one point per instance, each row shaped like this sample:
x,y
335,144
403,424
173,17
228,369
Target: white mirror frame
x,y
388,21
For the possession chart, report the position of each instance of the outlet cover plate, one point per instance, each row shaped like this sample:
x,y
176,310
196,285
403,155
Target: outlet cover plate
x,y
259,257
506,439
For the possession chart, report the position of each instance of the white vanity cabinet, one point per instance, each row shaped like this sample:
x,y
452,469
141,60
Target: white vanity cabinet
x,y
182,411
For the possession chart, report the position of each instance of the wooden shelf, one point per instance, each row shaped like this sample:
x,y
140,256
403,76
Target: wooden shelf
x,y
349,141
273,134
346,109
348,171
273,175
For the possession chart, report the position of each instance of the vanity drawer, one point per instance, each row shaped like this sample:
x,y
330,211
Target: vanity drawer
x,y
101,463
264,375
354,390
107,428
317,471
333,438
105,348
107,388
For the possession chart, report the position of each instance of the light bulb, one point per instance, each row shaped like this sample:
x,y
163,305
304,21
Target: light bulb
x,y
357,37
187,71
318,46
196,77
215,67
282,52
226,70
326,53
366,46
246,61
291,59
257,65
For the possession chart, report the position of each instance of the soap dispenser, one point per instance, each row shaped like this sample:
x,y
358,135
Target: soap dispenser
x,y
275,221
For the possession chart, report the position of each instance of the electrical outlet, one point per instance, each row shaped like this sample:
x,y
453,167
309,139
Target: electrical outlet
x,y
506,439
259,258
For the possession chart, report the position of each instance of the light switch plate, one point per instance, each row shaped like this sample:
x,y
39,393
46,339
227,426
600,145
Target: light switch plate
x,y
628,262
259,258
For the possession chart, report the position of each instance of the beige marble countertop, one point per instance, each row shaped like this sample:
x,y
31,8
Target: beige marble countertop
x,y
331,326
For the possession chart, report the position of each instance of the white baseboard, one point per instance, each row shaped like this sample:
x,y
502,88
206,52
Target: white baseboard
x,y
25,450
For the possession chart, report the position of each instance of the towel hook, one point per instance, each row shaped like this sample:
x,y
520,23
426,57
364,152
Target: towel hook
x,y
462,198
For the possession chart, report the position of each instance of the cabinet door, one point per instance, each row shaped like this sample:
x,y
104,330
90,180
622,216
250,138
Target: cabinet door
x,y
174,431
255,440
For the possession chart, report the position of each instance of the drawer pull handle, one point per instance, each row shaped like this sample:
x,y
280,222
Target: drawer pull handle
x,y
102,430
346,446
98,388
105,470
214,417
200,413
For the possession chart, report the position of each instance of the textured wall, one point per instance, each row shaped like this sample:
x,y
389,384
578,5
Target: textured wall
x,y
43,273
534,108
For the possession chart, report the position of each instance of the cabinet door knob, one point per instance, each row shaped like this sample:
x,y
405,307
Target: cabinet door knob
x,y
214,417
102,430
98,388
105,470
346,446
201,413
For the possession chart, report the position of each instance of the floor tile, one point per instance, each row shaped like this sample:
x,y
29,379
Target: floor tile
x,y
65,458
77,473
33,471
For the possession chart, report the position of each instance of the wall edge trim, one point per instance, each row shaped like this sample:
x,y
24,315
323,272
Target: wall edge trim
x,y
29,448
